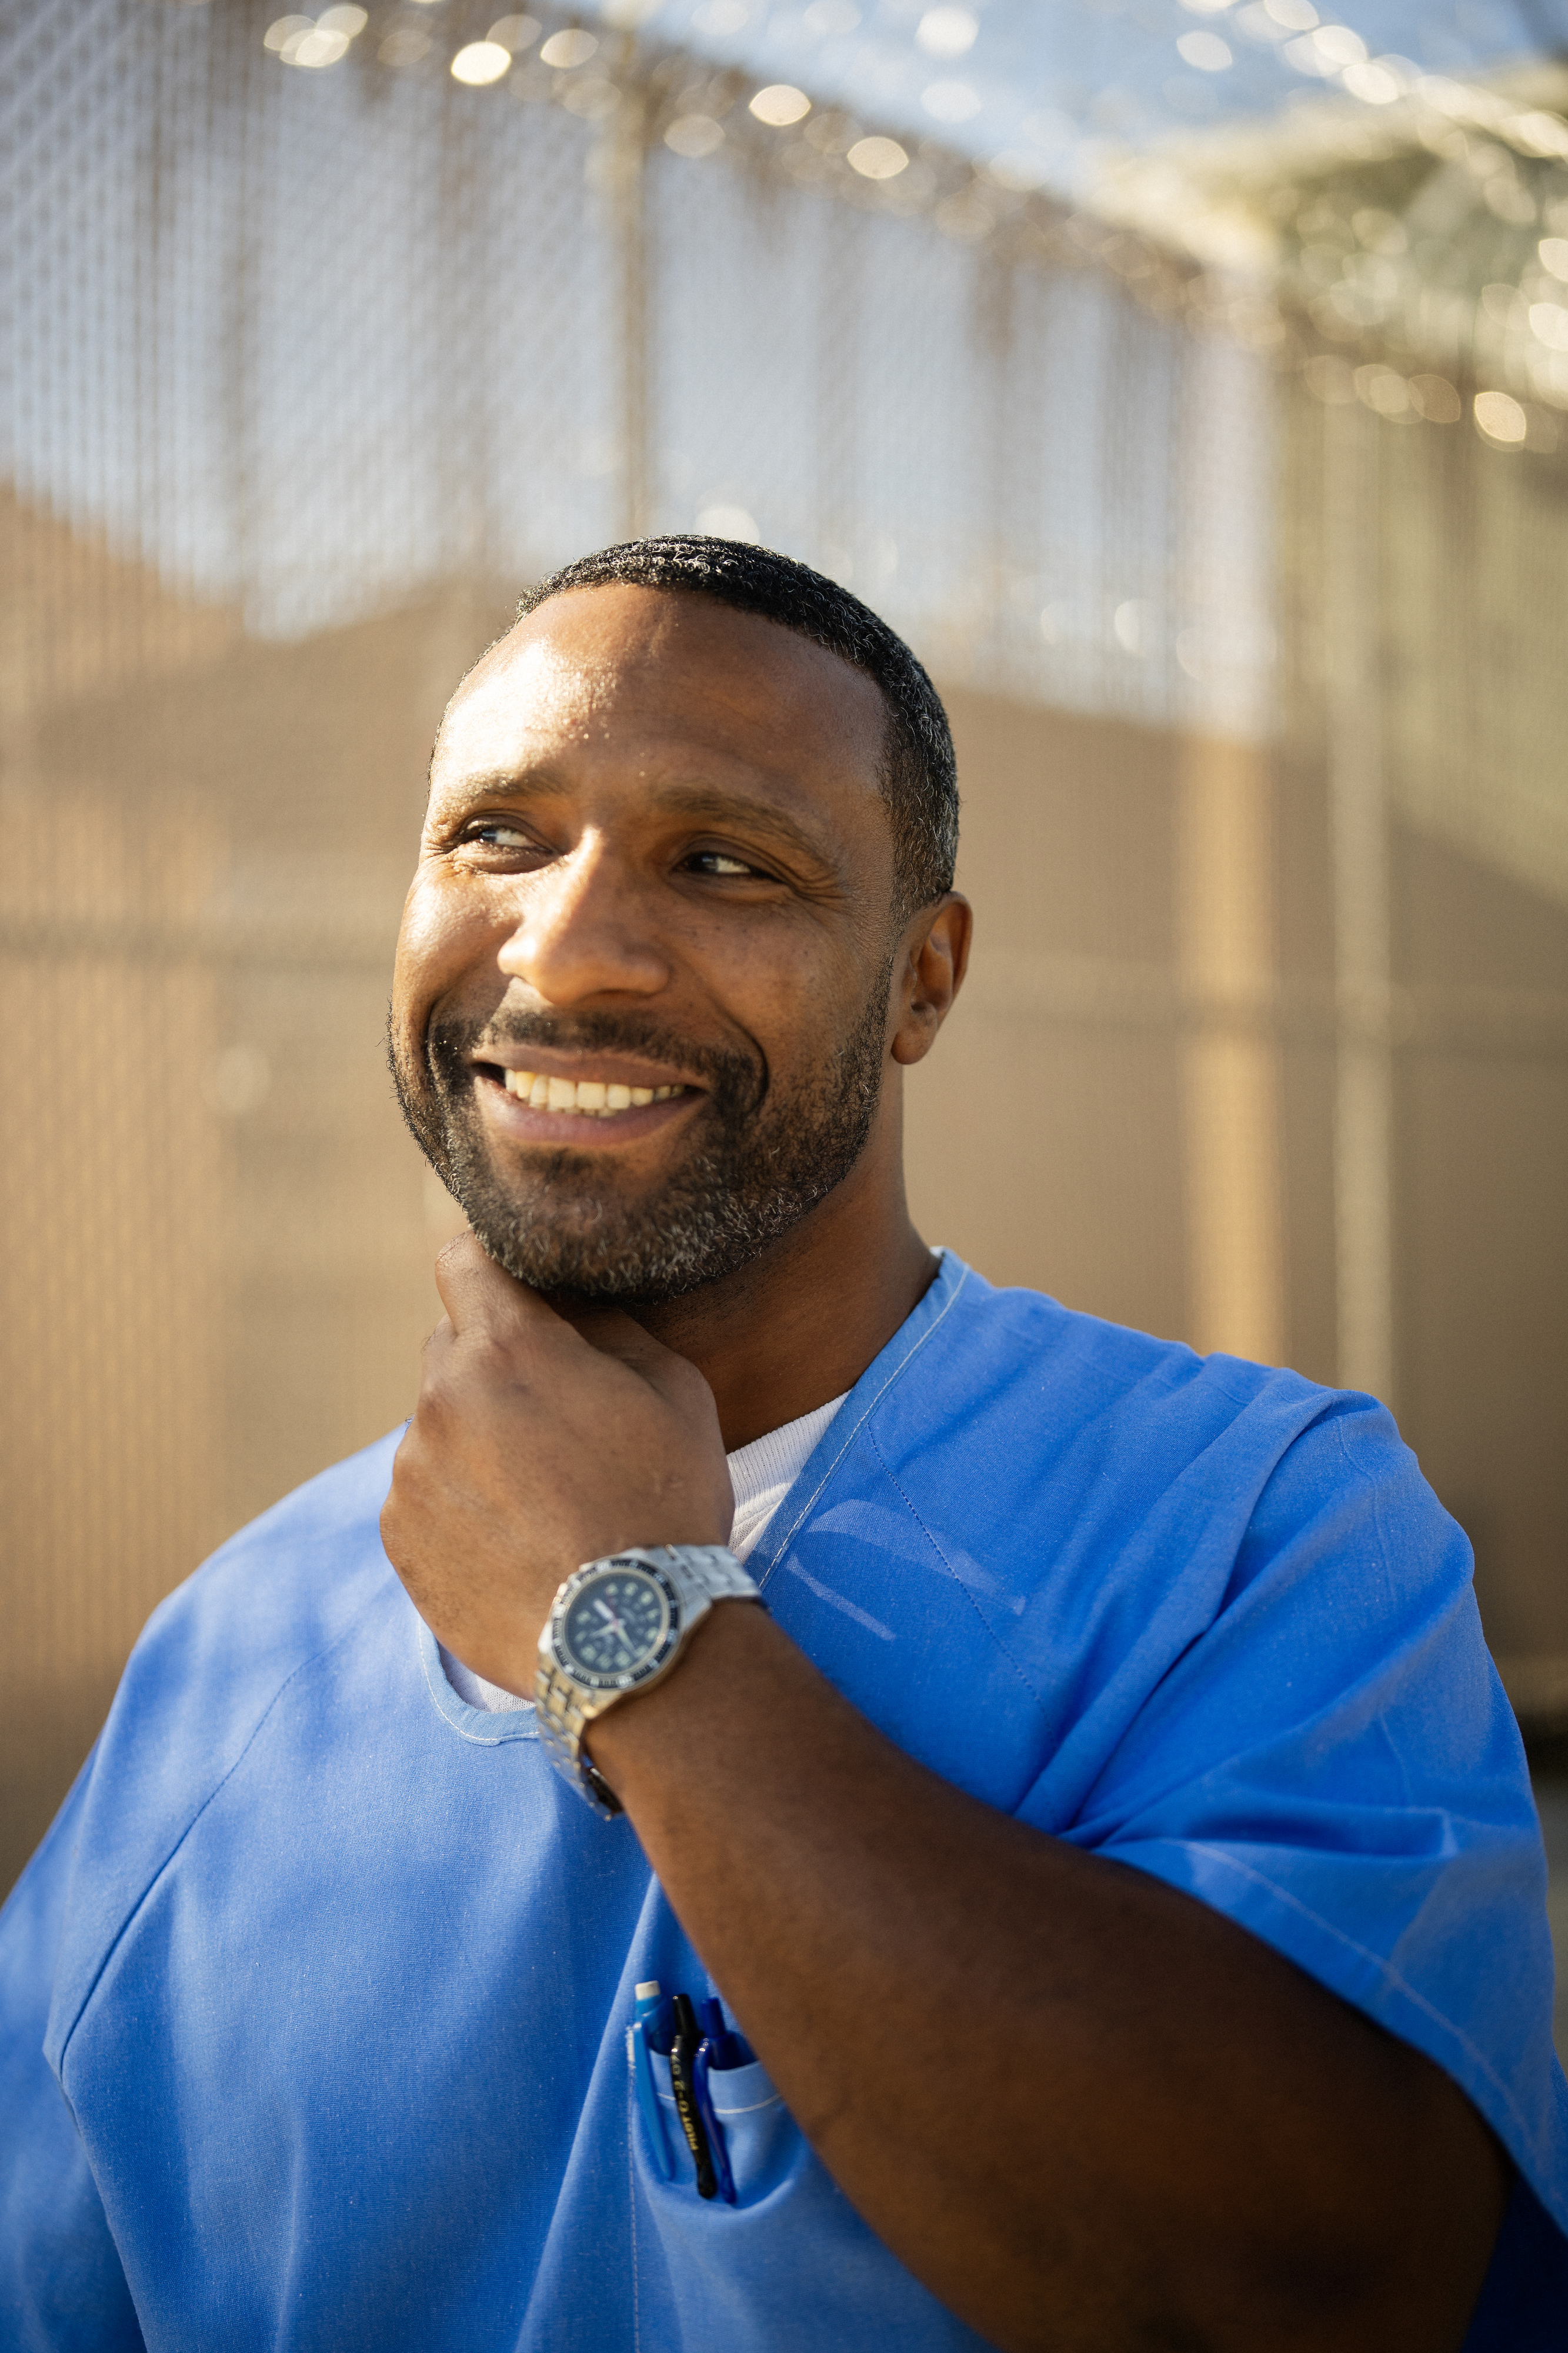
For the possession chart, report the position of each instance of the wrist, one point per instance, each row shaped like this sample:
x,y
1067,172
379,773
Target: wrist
x,y
617,1627
656,1739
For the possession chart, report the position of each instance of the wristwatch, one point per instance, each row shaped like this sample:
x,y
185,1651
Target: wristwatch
x,y
617,1626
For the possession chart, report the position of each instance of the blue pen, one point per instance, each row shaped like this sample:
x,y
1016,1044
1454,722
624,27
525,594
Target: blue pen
x,y
658,2015
730,2046
650,2006
716,2052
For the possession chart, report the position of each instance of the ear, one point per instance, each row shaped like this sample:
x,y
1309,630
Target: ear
x,y
933,957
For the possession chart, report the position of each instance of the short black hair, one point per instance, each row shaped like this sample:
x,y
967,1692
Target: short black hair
x,y
920,774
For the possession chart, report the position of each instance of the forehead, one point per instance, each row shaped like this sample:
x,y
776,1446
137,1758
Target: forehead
x,y
658,680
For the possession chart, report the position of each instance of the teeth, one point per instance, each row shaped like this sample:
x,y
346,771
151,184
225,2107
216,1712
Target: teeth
x,y
594,1097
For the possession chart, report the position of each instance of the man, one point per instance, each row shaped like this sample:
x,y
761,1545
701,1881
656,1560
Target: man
x,y
1107,1835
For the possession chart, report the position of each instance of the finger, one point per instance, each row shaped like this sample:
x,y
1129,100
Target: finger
x,y
604,1325
614,1333
437,1338
477,1292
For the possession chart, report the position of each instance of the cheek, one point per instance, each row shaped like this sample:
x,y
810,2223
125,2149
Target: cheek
x,y
446,940
795,992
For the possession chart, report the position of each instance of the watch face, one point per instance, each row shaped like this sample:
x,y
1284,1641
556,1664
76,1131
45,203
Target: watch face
x,y
614,1626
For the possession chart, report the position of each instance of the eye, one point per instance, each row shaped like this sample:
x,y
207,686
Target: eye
x,y
718,861
500,839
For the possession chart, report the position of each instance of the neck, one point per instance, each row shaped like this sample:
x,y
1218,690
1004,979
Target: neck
x,y
802,1321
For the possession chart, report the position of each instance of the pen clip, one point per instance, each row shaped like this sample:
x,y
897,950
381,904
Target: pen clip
x,y
728,2046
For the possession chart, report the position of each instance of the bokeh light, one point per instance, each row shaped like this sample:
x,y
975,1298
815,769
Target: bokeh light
x,y
567,50
878,159
780,104
480,62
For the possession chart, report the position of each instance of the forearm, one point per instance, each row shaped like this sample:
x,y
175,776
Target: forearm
x,y
1084,2109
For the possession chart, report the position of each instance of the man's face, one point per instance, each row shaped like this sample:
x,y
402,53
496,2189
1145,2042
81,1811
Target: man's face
x,y
640,1015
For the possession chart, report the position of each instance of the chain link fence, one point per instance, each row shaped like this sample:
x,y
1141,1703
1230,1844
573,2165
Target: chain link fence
x,y
313,357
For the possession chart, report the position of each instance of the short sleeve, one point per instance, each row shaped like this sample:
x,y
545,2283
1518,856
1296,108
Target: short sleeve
x,y
62,2289
1334,1764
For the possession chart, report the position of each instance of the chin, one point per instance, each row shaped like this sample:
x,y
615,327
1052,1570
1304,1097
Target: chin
x,y
663,1251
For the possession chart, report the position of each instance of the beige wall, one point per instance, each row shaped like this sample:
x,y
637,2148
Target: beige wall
x,y
1044,1132
1117,1048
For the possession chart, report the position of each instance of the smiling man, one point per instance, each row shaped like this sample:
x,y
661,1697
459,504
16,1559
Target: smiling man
x,y
806,1802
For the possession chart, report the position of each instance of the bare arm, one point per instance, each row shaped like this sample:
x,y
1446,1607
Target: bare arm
x,y
1086,2110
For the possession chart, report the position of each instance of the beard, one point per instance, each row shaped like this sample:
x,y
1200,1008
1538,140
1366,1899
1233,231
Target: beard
x,y
759,1156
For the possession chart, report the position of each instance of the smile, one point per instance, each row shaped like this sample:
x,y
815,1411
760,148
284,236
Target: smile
x,y
592,1098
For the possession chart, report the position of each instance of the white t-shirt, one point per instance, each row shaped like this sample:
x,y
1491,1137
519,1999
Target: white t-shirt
x,y
762,1474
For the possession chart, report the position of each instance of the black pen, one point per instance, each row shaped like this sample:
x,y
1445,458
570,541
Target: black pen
x,y
713,2052
682,2083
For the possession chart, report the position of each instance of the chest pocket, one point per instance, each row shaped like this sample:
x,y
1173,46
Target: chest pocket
x,y
789,2268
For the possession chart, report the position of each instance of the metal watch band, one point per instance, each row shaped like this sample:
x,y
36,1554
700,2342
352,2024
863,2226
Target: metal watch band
x,y
700,1574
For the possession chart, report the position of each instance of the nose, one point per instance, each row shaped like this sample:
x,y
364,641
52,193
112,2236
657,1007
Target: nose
x,y
584,934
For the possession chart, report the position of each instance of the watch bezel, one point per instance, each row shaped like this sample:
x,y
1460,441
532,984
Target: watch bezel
x,y
632,1678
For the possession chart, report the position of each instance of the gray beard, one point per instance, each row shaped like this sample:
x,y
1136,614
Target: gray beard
x,y
760,1158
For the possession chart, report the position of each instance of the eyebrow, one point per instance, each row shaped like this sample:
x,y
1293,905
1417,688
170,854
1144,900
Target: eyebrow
x,y
690,800
720,807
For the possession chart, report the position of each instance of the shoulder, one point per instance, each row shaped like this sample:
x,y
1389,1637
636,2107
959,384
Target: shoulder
x,y
1044,1391
276,1593
1206,1548
1127,1498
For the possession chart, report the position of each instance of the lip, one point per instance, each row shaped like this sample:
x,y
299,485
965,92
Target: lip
x,y
518,1123
609,1069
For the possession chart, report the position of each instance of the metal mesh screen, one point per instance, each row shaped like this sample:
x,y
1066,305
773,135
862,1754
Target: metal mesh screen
x,y
1422,720
308,371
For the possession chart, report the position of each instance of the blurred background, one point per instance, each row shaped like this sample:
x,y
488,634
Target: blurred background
x,y
1187,381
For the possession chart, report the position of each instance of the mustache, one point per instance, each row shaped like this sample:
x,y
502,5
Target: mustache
x,y
735,1077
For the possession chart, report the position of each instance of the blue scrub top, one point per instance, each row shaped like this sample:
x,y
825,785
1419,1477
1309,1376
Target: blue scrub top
x,y
334,1974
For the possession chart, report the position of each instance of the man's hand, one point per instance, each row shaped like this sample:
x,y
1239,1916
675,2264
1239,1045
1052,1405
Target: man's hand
x,y
539,1442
